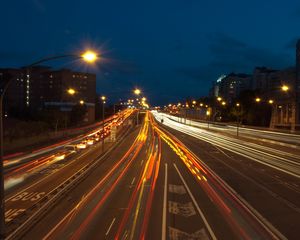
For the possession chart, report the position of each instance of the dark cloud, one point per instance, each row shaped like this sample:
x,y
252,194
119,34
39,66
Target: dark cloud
x,y
232,55
221,43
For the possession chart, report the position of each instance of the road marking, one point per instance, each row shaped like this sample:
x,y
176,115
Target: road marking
x,y
142,162
164,219
28,196
110,226
178,189
10,214
185,209
196,204
132,181
176,234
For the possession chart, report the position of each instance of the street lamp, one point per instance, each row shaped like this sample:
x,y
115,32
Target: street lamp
x,y
239,112
81,102
88,56
208,118
71,91
285,88
271,101
103,98
137,92
257,99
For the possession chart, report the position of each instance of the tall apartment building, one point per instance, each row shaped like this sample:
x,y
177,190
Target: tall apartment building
x,y
233,84
43,88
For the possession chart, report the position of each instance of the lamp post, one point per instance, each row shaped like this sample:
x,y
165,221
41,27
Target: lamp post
x,y
103,98
137,92
208,118
286,88
88,56
238,106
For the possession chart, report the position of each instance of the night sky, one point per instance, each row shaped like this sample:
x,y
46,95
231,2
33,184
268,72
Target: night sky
x,y
171,49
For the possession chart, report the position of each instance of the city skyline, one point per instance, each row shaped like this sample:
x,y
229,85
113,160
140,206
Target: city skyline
x,y
167,49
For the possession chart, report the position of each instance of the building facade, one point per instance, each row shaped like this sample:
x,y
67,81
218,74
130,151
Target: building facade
x,y
233,84
41,88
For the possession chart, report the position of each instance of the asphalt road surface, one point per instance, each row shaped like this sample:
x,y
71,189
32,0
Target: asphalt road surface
x,y
161,183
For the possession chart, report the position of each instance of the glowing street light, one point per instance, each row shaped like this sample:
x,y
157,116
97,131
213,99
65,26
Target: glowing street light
x,y
71,91
271,101
257,99
81,102
201,104
137,91
223,103
285,88
219,99
237,104
103,98
194,102
144,99
89,56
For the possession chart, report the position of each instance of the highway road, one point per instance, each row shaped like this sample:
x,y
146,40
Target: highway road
x,y
31,180
153,186
251,133
265,177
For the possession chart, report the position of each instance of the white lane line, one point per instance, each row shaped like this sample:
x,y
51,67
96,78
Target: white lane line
x,y
110,226
132,181
164,219
142,162
213,236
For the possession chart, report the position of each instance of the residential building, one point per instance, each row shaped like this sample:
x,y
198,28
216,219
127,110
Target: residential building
x,y
233,84
40,88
